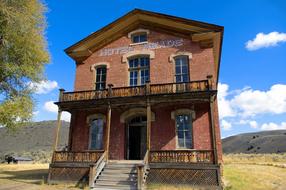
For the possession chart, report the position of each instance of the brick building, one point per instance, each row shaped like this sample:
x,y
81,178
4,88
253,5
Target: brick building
x,y
144,107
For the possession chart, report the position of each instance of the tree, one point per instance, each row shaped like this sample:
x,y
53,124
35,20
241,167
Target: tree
x,y
23,55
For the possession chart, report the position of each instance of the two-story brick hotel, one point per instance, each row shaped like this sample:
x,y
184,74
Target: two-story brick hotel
x,y
144,107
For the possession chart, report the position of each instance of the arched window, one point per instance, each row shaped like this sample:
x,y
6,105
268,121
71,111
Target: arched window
x,y
96,134
138,36
100,79
139,70
182,68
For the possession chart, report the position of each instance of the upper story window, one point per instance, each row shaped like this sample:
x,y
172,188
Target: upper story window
x,y
139,71
182,68
100,83
139,37
184,131
96,134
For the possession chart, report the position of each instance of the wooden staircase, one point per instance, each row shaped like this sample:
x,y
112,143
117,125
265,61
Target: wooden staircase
x,y
118,175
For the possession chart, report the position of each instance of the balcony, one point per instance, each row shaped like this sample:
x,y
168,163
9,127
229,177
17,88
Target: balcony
x,y
137,91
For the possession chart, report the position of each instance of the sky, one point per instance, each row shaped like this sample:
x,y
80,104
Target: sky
x,y
252,81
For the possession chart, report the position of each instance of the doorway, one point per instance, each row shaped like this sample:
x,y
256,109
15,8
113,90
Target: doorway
x,y
136,138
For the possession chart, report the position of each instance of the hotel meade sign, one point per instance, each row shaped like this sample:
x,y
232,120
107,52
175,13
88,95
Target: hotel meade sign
x,y
153,45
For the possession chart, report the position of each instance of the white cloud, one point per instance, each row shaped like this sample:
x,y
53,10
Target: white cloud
x,y
265,40
273,126
225,109
253,124
51,107
253,102
44,86
35,113
226,125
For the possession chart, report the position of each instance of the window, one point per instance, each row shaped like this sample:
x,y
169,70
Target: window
x,y
184,131
139,70
182,68
96,134
100,83
137,38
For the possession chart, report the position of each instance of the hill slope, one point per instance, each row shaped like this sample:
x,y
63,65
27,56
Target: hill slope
x,y
259,142
37,136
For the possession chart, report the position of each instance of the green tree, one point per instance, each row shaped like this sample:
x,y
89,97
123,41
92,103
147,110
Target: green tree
x,y
23,55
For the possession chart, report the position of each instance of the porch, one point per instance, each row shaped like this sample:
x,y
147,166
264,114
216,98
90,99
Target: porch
x,y
155,139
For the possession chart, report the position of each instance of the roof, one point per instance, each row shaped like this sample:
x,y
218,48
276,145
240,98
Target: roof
x,y
197,31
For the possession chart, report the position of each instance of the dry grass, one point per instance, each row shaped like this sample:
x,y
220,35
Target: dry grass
x,y
255,171
241,172
27,177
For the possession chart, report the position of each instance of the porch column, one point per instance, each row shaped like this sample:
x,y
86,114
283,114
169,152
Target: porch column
x,y
58,127
108,123
213,129
149,126
57,130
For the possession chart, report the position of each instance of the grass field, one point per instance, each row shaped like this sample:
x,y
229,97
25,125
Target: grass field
x,y
241,172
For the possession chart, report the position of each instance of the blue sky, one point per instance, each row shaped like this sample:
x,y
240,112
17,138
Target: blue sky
x,y
252,80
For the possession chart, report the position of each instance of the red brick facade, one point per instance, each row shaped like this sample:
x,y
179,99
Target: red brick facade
x,y
163,133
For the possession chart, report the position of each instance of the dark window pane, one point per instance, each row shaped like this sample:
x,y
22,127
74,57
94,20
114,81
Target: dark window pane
x,y
185,70
96,142
185,78
178,78
135,39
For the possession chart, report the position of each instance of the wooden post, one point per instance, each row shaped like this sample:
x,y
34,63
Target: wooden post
x,y
149,120
147,88
57,130
210,82
92,172
139,177
61,94
213,129
108,123
109,90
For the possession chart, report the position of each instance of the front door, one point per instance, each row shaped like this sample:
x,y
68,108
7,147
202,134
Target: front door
x,y
136,138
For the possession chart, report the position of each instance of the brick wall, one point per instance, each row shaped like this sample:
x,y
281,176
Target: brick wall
x,y
161,70
163,134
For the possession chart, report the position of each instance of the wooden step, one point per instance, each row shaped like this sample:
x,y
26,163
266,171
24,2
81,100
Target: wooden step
x,y
120,176
119,170
113,182
106,187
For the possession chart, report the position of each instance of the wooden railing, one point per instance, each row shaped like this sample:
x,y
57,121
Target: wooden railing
x,y
142,172
80,157
181,156
148,89
95,169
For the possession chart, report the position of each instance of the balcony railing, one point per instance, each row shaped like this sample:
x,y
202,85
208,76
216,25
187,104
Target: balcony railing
x,y
148,89
181,156
78,157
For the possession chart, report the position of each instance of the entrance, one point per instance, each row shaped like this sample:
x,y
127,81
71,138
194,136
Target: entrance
x,y
136,138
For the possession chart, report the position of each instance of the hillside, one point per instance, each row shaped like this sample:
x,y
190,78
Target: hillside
x,y
259,142
35,137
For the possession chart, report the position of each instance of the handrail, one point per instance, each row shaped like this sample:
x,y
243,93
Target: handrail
x,y
181,156
130,91
142,171
76,156
96,168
